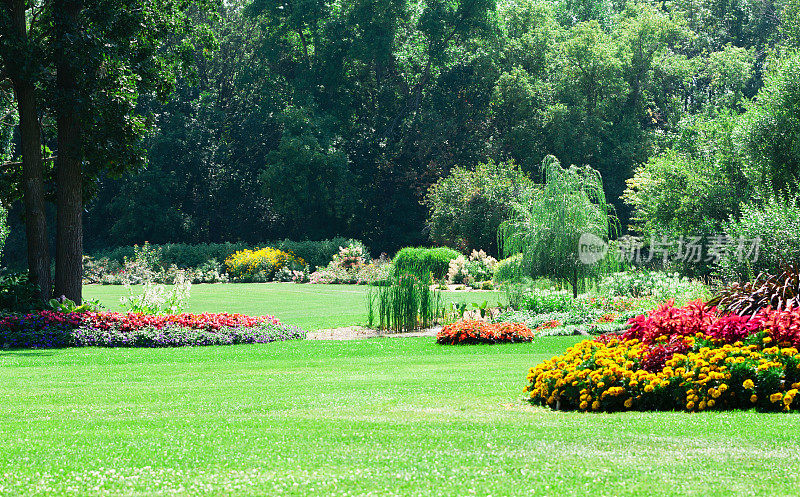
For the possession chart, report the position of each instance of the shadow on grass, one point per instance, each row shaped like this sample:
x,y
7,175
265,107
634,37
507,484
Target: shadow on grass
x,y
27,353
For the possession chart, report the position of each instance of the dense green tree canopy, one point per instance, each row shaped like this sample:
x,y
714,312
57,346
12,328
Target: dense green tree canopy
x,y
314,119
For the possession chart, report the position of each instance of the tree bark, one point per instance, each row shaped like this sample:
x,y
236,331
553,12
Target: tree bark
x,y
69,174
31,145
575,283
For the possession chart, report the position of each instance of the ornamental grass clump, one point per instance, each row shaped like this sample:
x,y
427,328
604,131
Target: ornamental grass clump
x,y
406,304
777,291
691,358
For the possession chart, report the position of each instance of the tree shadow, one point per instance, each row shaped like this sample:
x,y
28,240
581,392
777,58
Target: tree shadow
x,y
27,353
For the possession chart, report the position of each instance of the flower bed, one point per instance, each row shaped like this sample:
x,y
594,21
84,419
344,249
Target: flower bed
x,y
48,329
690,358
470,332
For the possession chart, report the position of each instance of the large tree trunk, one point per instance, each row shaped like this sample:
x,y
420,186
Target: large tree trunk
x,y
32,166
69,174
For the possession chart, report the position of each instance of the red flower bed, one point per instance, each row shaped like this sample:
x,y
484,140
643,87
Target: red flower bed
x,y
131,322
469,332
207,321
48,329
670,321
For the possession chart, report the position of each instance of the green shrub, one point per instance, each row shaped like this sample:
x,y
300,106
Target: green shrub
x,y
17,293
261,265
478,268
182,255
424,262
467,206
777,224
548,301
659,285
691,190
319,253
508,269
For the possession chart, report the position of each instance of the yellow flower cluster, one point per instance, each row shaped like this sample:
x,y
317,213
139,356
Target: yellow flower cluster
x,y
609,377
264,261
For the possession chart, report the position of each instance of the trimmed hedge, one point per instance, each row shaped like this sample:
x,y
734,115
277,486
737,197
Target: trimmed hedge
x,y
422,261
183,255
316,253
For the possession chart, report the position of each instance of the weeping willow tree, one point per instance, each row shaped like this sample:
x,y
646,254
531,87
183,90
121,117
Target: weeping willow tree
x,y
546,228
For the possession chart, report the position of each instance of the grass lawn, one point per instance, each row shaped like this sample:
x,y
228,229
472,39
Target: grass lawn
x,y
382,416
310,307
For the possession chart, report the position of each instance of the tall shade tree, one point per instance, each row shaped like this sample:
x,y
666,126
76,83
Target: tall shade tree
x,y
93,59
22,62
547,228
108,54
307,178
396,94
770,131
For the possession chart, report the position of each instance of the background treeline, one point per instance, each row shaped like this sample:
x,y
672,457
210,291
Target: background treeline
x,y
312,120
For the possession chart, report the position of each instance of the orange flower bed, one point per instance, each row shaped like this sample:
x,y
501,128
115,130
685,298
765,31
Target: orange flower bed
x,y
471,332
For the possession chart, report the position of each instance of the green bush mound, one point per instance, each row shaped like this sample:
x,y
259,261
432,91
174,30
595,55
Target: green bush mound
x,y
776,226
422,261
508,269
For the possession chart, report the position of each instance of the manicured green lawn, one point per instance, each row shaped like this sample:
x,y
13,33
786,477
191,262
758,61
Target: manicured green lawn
x,y
382,416
310,307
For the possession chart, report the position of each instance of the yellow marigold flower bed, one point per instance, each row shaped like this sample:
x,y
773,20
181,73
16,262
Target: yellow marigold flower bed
x,y
595,376
265,261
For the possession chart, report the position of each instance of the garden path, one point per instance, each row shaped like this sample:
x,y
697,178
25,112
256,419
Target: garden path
x,y
361,332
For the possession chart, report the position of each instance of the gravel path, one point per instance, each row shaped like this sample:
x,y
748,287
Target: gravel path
x,y
360,332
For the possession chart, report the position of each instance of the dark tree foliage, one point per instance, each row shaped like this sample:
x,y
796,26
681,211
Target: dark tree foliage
x,y
82,66
314,119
